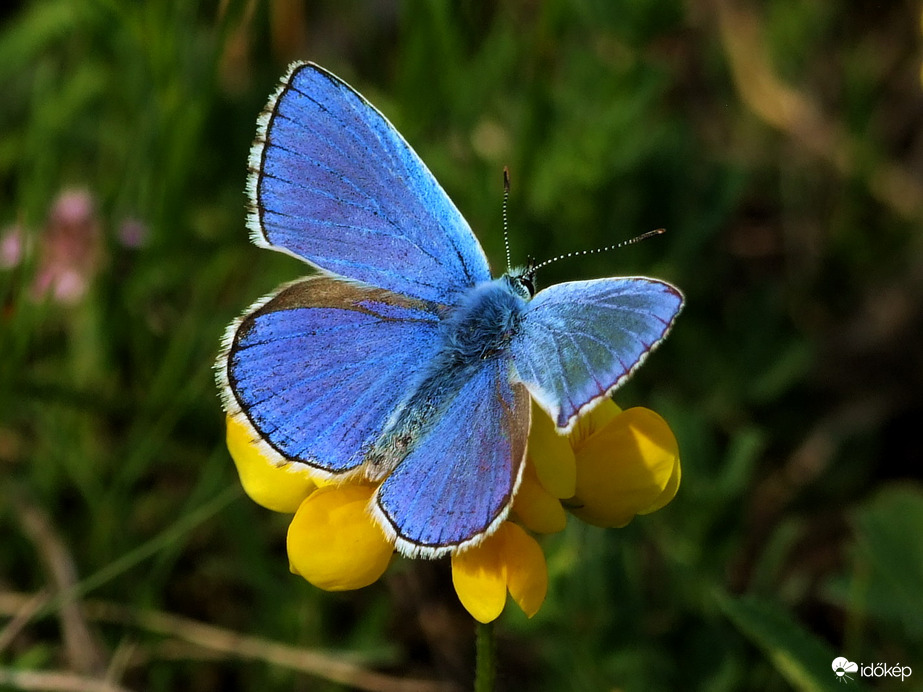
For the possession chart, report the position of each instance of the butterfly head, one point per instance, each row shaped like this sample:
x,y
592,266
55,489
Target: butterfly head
x,y
522,280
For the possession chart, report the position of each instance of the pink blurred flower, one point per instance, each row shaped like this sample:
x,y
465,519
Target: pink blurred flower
x,y
12,247
70,249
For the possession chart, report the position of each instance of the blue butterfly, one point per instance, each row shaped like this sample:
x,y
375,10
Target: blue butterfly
x,y
403,361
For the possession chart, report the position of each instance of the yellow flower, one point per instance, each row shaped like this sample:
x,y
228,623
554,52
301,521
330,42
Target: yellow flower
x,y
627,464
333,542
509,560
279,488
612,466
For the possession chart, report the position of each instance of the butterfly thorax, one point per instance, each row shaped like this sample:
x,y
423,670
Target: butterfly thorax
x,y
479,328
483,323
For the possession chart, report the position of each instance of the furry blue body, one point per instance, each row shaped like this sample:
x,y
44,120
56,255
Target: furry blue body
x,y
481,327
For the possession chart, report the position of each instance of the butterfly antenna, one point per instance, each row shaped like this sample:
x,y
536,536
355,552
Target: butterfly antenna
x,y
506,229
580,253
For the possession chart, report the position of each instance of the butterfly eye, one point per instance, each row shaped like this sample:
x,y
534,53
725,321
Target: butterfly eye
x,y
522,283
527,280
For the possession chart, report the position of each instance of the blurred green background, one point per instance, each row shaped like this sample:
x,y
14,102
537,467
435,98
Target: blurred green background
x,y
779,142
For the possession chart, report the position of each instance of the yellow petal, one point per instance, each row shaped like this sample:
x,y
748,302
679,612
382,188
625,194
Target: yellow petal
x,y
526,568
593,421
535,507
479,575
669,492
624,468
333,542
279,488
551,455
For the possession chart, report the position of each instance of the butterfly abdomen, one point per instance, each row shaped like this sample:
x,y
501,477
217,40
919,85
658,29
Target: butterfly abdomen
x,y
479,328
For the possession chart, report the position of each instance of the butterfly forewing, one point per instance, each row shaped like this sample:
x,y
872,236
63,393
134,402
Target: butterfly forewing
x,y
335,184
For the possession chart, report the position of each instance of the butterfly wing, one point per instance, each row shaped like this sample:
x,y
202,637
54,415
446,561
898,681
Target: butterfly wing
x,y
457,484
317,368
580,340
333,183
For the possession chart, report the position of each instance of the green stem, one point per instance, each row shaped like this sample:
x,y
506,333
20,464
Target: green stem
x,y
486,662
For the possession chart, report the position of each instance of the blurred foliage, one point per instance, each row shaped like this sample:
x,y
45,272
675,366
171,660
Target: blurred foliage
x,y
780,145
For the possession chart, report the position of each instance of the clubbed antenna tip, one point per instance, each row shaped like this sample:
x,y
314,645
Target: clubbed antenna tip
x,y
580,253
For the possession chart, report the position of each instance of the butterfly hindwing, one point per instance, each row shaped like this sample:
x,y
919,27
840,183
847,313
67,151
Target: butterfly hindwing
x,y
332,182
579,340
457,483
319,366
